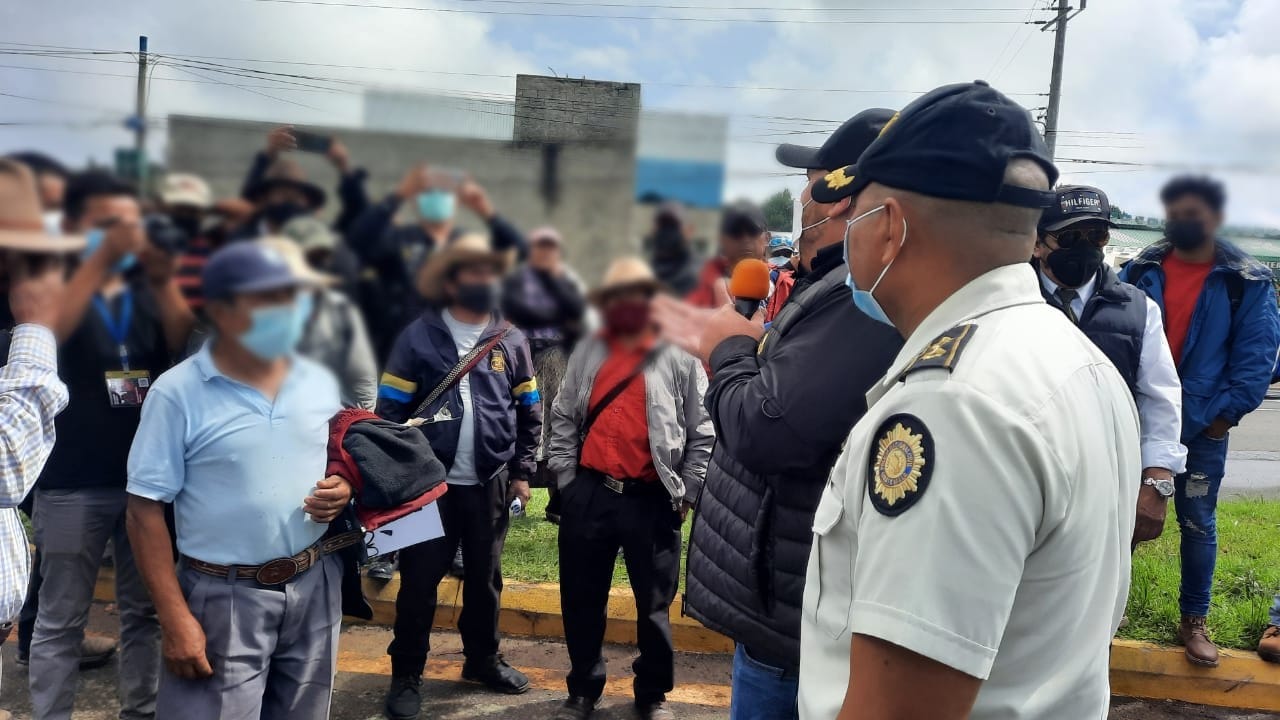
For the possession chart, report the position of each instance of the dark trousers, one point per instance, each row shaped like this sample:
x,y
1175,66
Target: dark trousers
x,y
594,523
475,517
30,606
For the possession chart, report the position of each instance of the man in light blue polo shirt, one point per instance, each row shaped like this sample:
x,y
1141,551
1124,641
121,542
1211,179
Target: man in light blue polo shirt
x,y
235,437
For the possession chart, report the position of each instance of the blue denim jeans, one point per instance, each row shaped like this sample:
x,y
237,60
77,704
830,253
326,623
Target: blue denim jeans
x,y
1275,611
762,692
1196,504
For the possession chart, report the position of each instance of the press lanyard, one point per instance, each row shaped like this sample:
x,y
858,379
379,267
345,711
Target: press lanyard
x,y
118,327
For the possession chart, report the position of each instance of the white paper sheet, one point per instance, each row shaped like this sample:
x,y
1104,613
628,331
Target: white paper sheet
x,y
411,529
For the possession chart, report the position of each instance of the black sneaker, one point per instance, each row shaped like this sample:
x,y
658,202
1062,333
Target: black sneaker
x,y
655,711
497,675
404,697
575,708
381,570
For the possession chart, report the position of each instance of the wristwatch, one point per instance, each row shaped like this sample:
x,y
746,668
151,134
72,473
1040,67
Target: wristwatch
x,y
1162,486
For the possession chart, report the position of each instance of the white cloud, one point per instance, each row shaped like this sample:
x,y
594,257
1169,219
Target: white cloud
x,y
1194,82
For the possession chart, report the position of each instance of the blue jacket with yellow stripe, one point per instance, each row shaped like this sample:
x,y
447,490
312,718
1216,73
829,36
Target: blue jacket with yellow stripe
x,y
507,406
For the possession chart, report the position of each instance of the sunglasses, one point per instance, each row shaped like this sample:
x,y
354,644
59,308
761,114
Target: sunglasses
x,y
1067,239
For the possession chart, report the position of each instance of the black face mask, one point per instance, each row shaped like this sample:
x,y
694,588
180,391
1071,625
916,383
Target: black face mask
x,y
189,224
282,212
1075,265
477,298
1185,234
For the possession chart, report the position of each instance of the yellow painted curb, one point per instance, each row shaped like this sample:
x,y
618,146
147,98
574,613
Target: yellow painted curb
x,y
1138,669
533,610
1241,680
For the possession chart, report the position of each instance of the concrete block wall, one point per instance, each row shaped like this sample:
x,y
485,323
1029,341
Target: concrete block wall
x,y
594,207
565,110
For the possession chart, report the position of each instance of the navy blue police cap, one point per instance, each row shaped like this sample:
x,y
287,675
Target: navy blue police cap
x,y
954,142
843,147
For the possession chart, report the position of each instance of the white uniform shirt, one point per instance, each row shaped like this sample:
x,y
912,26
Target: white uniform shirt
x,y
1159,391
994,534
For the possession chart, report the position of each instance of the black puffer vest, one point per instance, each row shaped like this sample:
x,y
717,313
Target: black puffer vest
x,y
1115,319
752,532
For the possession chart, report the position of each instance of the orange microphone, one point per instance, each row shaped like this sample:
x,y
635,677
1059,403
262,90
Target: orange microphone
x,y
749,286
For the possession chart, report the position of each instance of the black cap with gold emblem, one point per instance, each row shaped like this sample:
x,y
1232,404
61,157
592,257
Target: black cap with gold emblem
x,y
900,465
954,142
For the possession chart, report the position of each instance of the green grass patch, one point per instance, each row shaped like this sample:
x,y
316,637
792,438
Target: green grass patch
x,y
532,552
1247,577
1244,584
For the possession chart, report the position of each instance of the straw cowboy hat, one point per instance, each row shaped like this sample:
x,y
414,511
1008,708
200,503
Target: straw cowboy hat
x,y
297,262
286,173
627,273
186,189
21,226
466,249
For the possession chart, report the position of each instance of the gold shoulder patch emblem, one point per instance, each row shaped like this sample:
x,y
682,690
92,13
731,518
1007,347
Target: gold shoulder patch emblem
x,y
889,124
901,464
497,361
837,179
944,351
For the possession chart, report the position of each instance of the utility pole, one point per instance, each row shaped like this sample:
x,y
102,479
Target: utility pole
x,y
1059,24
140,116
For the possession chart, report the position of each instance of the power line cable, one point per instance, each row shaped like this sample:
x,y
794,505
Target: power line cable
x,y
1030,11
769,21
246,89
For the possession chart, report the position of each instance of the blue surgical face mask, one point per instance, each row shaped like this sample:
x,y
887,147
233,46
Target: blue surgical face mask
x,y
275,330
93,241
864,300
436,205
306,305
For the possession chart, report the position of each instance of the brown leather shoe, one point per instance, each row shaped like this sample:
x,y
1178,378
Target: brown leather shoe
x,y
96,650
1269,646
1195,636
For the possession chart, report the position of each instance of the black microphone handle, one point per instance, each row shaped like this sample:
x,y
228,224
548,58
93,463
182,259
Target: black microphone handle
x,y
746,307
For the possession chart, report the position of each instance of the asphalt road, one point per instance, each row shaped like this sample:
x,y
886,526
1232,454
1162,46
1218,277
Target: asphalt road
x,y
1253,457
702,691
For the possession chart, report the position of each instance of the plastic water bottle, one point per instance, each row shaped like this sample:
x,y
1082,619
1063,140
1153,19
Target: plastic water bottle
x,y
517,508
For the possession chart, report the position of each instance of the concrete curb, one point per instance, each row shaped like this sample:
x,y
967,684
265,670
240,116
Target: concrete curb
x,y
1138,669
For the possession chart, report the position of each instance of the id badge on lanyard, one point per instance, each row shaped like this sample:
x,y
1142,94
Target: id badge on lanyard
x,y
126,387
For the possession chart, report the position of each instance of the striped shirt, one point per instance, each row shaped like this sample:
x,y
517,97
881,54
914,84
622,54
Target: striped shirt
x,y
30,396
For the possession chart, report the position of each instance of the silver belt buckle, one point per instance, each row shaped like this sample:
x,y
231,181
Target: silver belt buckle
x,y
614,485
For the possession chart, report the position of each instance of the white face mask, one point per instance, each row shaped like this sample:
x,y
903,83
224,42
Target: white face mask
x,y
52,221
797,213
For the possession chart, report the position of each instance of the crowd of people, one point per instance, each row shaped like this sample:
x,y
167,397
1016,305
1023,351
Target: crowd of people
x,y
923,460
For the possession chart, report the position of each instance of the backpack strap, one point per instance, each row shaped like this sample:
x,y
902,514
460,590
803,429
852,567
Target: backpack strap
x,y
798,305
465,365
594,413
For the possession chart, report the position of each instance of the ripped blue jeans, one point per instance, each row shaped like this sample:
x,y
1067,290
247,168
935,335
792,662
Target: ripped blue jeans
x,y
1196,504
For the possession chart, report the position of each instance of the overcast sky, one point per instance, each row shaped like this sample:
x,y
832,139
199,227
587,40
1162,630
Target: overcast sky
x,y
1164,82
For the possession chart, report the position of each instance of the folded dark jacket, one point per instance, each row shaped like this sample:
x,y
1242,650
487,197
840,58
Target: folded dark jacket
x,y
391,467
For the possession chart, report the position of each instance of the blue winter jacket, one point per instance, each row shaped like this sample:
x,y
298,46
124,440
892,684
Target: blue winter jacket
x,y
1228,358
506,403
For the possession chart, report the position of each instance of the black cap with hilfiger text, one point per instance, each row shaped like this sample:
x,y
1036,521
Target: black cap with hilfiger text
x,y
954,142
1076,204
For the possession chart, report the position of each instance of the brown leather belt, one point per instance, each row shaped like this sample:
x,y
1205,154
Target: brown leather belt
x,y
280,570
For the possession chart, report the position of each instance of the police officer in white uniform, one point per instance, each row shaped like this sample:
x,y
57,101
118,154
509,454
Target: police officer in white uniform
x,y
971,557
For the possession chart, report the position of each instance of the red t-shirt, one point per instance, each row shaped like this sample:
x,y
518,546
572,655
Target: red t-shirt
x,y
618,444
1183,282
